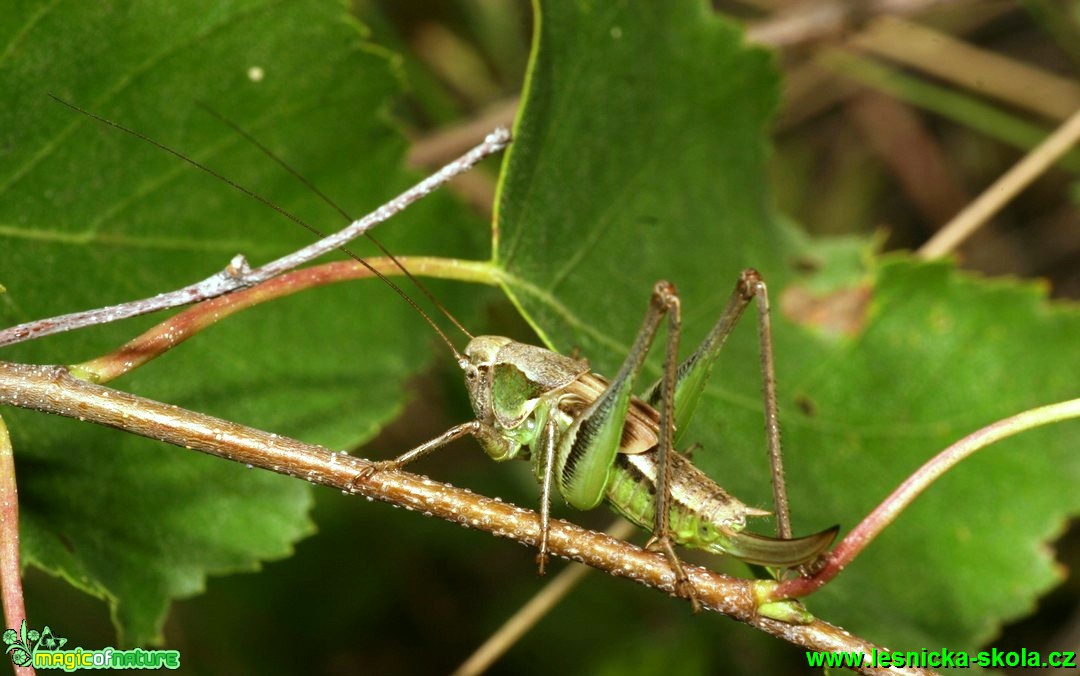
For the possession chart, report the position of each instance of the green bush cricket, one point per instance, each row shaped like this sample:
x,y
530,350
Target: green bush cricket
x,y
594,441
591,439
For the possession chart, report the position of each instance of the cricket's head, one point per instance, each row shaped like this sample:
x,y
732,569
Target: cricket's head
x,y
481,357
507,381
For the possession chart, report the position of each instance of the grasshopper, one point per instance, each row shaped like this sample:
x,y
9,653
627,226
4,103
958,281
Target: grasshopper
x,y
592,440
588,436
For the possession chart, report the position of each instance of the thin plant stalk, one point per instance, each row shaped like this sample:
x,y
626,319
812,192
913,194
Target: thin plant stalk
x,y
238,274
186,324
1003,190
11,589
534,610
890,508
53,389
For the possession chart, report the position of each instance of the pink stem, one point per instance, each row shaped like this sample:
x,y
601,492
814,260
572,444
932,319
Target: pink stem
x,y
870,527
183,325
11,590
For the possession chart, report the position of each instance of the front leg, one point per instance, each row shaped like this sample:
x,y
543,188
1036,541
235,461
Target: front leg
x,y
546,456
488,437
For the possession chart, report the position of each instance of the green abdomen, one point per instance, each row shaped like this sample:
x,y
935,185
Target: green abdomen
x,y
701,515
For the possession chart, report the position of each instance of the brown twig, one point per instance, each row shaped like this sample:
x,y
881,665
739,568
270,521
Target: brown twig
x,y
53,389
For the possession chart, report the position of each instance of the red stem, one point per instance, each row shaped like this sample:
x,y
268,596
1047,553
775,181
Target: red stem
x,y
11,590
884,514
190,321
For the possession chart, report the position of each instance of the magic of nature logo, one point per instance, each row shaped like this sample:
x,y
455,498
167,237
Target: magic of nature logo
x,y
45,650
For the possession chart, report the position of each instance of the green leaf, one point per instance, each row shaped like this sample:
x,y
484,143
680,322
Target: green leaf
x,y
639,156
626,125
90,216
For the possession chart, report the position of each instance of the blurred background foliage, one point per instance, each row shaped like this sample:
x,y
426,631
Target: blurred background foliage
x,y
873,136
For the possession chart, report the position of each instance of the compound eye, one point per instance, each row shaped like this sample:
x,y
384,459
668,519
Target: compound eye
x,y
473,372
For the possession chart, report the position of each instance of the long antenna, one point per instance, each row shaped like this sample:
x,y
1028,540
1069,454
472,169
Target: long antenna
x,y
259,198
334,205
